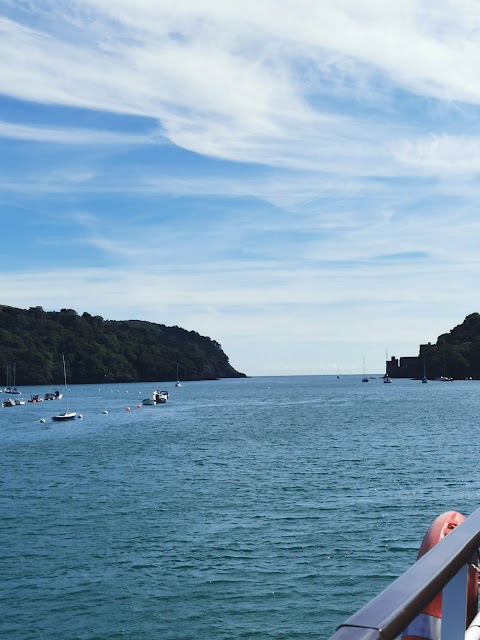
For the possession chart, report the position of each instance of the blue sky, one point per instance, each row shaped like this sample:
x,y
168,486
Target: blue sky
x,y
297,179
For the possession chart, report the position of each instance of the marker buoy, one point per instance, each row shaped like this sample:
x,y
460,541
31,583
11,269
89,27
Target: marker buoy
x,y
127,408
104,411
427,626
139,406
80,417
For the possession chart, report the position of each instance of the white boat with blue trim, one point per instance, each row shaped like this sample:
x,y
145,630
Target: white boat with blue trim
x,y
66,415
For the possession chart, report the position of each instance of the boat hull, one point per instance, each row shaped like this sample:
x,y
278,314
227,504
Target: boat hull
x,y
64,417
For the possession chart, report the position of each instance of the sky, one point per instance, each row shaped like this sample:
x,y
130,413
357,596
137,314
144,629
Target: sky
x,y
296,179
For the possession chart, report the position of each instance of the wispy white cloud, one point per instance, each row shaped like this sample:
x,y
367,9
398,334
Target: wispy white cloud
x,y
340,140
236,81
72,136
442,154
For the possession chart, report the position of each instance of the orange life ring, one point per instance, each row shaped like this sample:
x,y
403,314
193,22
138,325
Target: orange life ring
x,y
428,624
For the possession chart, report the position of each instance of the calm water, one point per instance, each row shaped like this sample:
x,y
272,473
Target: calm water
x,y
266,508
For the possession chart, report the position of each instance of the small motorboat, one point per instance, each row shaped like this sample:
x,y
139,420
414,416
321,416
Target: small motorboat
x,y
35,398
158,397
56,395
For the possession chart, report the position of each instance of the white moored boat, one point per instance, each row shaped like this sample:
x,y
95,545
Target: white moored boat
x,y
157,397
62,417
177,383
67,415
386,377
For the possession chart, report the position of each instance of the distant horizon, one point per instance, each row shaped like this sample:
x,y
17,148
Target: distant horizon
x,y
333,368
187,381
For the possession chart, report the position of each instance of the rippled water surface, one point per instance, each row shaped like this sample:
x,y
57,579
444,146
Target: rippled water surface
x,y
266,508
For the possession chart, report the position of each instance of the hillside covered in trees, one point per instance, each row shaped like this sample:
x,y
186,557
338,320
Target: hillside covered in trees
x,y
98,350
455,355
457,352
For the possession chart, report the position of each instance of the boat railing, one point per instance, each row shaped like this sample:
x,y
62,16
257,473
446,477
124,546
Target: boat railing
x,y
442,569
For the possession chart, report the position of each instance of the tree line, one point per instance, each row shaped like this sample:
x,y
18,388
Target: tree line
x,y
98,350
455,354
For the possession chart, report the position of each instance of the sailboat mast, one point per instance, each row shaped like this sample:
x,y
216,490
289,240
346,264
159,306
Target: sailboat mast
x,y
65,380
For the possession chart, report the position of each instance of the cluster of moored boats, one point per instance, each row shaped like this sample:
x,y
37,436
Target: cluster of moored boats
x,y
13,402
157,397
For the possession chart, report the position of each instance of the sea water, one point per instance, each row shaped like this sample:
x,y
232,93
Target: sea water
x,y
266,508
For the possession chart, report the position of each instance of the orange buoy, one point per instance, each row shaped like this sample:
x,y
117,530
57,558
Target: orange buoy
x,y
427,626
139,406
127,408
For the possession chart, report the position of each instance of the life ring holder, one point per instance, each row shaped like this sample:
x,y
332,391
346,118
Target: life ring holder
x,y
427,625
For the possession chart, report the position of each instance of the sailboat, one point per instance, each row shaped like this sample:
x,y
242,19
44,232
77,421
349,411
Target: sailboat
x,y
67,415
386,377
177,383
424,379
8,388
364,379
11,389
444,378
